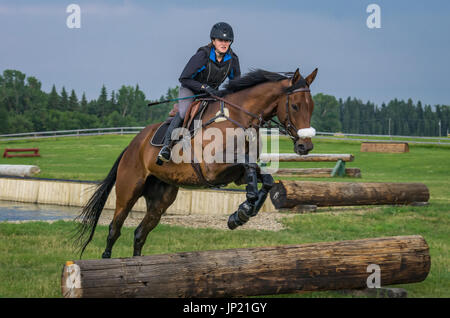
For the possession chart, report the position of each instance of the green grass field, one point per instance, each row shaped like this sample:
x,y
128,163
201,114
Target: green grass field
x,y
32,254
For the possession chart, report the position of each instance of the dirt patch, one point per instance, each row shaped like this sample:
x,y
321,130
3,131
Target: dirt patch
x,y
269,221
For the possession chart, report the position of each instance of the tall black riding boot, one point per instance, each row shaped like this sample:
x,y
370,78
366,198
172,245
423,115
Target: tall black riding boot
x,y
164,154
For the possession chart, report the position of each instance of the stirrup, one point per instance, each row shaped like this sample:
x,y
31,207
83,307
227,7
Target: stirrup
x,y
161,156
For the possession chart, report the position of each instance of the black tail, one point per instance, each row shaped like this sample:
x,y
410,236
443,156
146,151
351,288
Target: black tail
x,y
93,209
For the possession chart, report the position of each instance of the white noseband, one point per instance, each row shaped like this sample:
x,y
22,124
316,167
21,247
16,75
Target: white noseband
x,y
306,132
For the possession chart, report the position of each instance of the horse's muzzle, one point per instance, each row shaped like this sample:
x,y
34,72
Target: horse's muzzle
x,y
303,146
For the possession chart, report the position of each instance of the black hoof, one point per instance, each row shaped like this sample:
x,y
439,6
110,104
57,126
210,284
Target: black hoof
x,y
106,255
241,216
232,222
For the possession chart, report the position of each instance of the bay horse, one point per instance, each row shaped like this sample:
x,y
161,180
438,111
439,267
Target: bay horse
x,y
256,98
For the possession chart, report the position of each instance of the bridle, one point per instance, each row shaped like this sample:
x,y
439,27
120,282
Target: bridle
x,y
287,121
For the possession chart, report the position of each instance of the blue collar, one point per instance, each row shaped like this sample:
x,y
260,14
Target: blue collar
x,y
212,55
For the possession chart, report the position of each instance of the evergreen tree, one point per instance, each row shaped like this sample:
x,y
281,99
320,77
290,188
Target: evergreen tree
x,y
64,101
53,99
73,102
102,103
84,103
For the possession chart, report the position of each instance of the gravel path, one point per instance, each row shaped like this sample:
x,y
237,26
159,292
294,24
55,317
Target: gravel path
x,y
269,221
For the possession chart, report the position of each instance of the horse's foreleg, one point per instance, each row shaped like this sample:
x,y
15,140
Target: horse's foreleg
x,y
255,198
246,209
267,183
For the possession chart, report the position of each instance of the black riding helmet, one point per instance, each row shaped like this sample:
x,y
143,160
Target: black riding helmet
x,y
222,31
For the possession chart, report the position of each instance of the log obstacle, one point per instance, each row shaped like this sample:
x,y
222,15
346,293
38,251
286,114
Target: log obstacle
x,y
315,172
389,147
292,157
19,170
338,170
289,194
251,271
7,152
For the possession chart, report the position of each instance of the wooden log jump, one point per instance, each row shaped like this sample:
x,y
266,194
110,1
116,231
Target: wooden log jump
x,y
315,172
389,147
252,271
338,170
288,194
7,152
292,157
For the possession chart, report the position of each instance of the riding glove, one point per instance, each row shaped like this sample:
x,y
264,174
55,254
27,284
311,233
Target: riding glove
x,y
211,91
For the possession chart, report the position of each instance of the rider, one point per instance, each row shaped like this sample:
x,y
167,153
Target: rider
x,y
204,73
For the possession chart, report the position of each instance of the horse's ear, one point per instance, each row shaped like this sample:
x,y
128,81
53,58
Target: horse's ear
x,y
295,77
310,78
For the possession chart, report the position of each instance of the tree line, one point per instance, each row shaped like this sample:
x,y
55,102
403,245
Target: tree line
x,y
25,107
398,117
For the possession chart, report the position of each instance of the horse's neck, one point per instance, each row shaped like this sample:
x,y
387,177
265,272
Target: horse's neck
x,y
263,97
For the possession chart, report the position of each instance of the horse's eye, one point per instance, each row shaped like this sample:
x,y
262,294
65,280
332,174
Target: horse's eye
x,y
295,107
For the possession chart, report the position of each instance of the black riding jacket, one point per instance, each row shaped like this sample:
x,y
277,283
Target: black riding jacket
x,y
203,68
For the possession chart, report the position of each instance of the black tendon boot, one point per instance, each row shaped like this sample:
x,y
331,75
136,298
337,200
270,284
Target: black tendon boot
x,y
164,154
246,209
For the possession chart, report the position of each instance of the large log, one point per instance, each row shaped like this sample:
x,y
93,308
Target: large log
x,y
19,170
288,194
252,271
292,157
315,172
388,147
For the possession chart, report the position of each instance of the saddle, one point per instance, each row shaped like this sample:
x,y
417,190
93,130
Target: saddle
x,y
195,112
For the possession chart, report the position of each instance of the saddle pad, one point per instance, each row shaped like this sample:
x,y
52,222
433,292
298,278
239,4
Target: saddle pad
x,y
158,138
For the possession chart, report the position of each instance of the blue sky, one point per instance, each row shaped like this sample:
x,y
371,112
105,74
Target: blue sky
x,y
149,42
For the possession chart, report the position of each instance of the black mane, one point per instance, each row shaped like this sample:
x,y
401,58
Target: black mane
x,y
251,79
256,77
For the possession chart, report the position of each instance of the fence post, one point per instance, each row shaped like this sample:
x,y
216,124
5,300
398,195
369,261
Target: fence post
x,y
440,131
390,128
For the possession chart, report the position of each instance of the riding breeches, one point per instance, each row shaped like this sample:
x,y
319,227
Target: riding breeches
x,y
183,104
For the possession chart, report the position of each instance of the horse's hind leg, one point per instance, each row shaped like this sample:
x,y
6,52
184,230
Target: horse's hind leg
x,y
128,190
159,196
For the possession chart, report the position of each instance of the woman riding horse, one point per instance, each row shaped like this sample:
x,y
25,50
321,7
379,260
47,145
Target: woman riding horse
x,y
204,73
252,100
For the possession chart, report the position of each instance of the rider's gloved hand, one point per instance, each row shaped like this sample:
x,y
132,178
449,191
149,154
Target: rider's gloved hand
x,y
211,91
